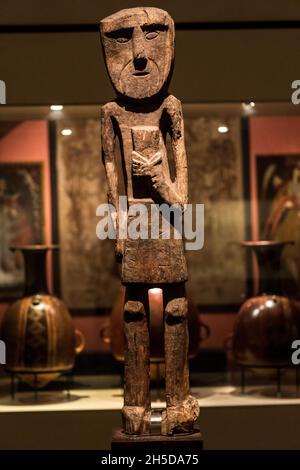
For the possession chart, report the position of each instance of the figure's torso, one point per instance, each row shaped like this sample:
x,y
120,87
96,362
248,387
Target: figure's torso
x,y
150,261
125,121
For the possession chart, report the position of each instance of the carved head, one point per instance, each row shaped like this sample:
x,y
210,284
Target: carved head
x,y
138,46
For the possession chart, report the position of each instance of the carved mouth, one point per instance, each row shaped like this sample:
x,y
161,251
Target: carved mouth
x,y
140,74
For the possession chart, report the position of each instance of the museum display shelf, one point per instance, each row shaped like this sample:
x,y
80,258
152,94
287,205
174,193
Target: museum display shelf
x,y
85,420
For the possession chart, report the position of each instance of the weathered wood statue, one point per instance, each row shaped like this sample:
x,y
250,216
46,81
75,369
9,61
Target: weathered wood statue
x,y
138,45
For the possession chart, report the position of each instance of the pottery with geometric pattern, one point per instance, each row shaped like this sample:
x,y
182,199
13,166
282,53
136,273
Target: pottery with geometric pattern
x,y
41,341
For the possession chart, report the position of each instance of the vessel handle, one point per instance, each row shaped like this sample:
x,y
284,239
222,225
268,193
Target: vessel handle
x,y
105,334
228,344
206,329
80,341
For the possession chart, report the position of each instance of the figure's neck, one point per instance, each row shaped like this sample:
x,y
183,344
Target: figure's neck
x,y
142,105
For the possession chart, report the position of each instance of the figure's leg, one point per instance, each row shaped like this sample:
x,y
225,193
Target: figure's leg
x,y
182,409
137,404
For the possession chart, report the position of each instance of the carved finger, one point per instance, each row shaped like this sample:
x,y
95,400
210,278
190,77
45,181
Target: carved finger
x,y
138,157
156,158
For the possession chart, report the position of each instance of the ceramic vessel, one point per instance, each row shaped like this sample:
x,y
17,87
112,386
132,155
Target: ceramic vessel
x,y
268,322
41,342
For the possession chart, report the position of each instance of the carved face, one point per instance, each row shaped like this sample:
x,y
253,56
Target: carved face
x,y
138,45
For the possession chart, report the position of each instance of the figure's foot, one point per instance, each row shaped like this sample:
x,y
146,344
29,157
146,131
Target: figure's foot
x,y
180,418
136,420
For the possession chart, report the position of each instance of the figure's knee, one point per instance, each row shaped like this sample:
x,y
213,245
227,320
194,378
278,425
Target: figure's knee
x,y
176,310
134,311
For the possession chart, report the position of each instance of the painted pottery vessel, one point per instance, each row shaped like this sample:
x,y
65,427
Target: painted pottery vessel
x,y
41,342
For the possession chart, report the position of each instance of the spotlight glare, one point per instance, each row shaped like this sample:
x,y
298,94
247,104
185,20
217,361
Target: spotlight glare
x,y
66,132
56,107
248,107
155,290
223,129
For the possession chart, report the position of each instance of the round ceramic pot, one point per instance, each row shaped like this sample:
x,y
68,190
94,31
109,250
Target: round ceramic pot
x,y
268,323
41,342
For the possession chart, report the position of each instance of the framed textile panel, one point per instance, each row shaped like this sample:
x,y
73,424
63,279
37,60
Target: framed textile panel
x,y
275,201
88,272
217,273
21,219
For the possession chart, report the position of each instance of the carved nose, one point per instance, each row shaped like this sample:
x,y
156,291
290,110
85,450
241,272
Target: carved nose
x,y
140,63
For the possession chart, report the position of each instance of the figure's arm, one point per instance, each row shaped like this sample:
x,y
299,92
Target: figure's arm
x,y
109,160
174,110
177,192
108,156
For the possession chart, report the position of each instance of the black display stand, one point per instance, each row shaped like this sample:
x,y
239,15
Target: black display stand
x,y
13,375
181,443
279,368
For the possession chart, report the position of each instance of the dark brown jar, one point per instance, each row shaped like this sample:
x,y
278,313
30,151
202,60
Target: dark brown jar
x,y
268,322
41,342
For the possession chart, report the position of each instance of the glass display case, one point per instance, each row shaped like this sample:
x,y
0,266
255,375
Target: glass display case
x,y
244,166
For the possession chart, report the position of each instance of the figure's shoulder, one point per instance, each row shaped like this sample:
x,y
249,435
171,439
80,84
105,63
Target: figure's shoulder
x,y
172,105
108,109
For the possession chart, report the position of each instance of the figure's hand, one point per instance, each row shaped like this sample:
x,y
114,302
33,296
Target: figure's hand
x,y
157,177
164,186
143,166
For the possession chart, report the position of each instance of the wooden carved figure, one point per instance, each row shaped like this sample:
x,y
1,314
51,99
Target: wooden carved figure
x,y
138,45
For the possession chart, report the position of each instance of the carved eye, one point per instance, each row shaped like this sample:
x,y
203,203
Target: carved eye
x,y
151,35
121,36
123,39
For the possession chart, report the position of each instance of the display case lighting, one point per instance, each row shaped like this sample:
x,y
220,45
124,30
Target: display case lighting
x,y
223,129
66,132
248,107
56,107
